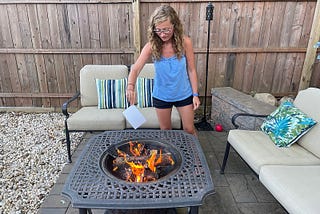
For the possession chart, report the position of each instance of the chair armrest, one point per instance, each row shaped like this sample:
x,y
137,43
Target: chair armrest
x,y
65,104
235,116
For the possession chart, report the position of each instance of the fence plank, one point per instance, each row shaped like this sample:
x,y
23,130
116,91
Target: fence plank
x,y
5,83
39,72
224,40
75,43
18,40
45,19
94,32
242,33
9,73
55,36
104,29
270,39
201,28
26,41
285,61
294,34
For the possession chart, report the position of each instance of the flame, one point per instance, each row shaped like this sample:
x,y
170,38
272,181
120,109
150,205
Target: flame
x,y
151,160
121,153
136,148
171,160
159,160
142,163
137,171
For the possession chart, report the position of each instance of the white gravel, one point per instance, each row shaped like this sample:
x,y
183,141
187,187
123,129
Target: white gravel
x,y
32,155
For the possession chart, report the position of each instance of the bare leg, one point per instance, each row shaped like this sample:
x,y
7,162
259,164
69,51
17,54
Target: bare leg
x,y
187,117
164,117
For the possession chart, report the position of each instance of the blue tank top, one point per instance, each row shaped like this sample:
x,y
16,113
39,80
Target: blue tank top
x,y
171,82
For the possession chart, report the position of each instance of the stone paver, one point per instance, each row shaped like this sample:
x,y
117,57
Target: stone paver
x,y
237,191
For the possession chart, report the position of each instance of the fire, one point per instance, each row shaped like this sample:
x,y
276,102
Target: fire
x,y
152,160
137,171
136,149
142,164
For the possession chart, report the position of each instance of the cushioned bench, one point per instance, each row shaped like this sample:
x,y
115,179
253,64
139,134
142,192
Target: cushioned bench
x,y
291,174
297,188
91,118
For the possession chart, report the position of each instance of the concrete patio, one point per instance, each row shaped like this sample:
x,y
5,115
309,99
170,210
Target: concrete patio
x,y
237,191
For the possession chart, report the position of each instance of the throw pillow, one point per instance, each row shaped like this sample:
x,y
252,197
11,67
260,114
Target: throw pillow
x,y
112,93
144,87
287,124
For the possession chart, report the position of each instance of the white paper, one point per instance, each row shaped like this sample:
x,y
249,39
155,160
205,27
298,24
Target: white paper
x,y
134,116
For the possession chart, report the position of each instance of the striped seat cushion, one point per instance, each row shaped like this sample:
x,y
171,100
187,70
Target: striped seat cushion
x,y
144,87
112,93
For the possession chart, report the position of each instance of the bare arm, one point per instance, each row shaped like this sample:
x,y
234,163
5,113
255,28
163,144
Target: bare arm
x,y
134,72
192,70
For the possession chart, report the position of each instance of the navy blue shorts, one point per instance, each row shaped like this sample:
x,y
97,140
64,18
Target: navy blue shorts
x,y
163,104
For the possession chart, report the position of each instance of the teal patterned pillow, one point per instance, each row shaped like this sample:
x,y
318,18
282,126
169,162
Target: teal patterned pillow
x,y
112,93
287,124
144,88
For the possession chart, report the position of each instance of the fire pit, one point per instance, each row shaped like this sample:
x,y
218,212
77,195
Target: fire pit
x,y
141,160
101,177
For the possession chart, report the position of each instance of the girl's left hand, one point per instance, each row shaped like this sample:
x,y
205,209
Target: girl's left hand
x,y
196,103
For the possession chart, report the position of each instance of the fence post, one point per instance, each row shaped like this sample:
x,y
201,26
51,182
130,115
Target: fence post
x,y
311,51
136,28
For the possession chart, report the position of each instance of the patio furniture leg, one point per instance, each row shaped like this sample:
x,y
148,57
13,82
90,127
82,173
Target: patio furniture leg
x,y
225,158
194,210
68,142
85,211
82,211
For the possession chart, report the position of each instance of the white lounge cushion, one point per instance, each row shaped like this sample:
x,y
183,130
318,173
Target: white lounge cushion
x,y
92,118
297,188
152,120
147,71
256,148
88,76
308,101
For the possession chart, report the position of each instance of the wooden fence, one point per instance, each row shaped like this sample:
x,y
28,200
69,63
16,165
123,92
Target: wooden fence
x,y
255,46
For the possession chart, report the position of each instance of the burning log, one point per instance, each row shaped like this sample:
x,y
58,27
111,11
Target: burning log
x,y
166,159
141,164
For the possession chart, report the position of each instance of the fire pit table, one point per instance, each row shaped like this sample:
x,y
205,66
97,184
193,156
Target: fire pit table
x,y
92,183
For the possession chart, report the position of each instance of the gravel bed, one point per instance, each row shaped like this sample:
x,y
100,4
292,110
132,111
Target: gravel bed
x,y
32,155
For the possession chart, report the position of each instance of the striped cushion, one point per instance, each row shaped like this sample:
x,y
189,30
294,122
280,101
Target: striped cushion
x,y
144,88
112,93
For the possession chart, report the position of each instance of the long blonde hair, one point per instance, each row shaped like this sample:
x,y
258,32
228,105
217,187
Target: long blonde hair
x,y
161,14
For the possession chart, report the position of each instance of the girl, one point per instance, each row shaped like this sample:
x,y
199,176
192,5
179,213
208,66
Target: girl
x,y
175,82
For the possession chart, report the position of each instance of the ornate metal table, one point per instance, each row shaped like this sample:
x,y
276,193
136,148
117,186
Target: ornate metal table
x,y
88,186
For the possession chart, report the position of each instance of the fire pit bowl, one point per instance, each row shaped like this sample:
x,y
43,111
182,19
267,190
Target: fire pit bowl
x,y
109,157
91,184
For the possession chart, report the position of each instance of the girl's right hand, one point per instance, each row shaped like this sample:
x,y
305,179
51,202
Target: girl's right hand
x,y
131,95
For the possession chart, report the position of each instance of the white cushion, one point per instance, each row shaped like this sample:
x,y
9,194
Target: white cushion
x,y
308,101
88,76
297,188
92,118
147,71
152,120
256,148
